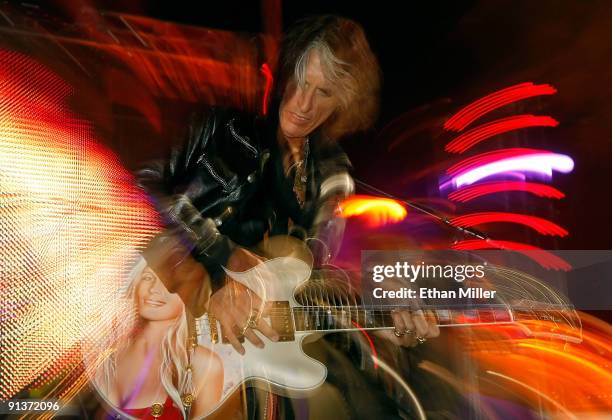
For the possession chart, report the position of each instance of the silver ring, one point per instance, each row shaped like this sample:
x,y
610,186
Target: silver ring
x,y
408,331
251,323
420,339
398,333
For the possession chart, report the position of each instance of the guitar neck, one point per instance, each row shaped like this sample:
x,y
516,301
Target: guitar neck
x,y
344,318
289,320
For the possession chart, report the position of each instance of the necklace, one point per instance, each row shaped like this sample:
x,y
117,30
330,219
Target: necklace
x,y
301,175
157,409
188,398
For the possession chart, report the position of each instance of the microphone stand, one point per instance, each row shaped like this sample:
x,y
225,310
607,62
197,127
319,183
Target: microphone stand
x,y
425,210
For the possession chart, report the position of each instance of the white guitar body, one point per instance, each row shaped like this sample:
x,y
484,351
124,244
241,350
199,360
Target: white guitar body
x,y
280,367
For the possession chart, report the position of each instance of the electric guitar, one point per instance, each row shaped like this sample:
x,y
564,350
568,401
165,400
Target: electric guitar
x,y
283,368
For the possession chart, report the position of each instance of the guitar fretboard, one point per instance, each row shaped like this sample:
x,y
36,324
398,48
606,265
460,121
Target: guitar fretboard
x,y
329,318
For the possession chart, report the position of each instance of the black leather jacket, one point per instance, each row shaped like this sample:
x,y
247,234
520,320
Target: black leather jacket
x,y
225,186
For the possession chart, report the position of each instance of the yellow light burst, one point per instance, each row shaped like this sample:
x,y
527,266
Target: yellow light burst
x,y
376,211
71,222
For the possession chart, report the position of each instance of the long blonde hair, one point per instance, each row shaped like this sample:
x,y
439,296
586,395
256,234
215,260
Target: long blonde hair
x,y
175,348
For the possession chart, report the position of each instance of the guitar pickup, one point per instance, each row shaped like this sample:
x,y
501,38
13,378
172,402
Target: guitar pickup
x,y
280,320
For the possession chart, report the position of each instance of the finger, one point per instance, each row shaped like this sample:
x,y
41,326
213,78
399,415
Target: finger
x,y
420,323
228,331
409,340
231,337
410,328
398,322
252,337
267,330
434,329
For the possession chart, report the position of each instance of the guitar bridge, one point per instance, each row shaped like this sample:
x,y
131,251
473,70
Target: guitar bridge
x,y
280,319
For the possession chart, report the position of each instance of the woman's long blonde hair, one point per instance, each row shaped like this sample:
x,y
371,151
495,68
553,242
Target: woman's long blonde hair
x,y
175,347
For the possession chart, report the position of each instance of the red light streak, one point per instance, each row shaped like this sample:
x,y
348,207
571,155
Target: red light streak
x,y
543,226
370,342
163,59
265,69
477,109
481,133
471,192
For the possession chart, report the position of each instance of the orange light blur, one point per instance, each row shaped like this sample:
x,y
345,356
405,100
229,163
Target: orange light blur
x,y
71,223
376,211
563,376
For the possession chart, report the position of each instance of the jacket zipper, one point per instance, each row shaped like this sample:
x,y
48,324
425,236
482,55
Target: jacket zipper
x,y
241,139
214,173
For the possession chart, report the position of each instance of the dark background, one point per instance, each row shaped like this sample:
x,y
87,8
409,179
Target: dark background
x,y
437,56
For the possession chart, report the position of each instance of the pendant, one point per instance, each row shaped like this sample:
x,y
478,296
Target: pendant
x,y
300,194
299,185
187,399
157,410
